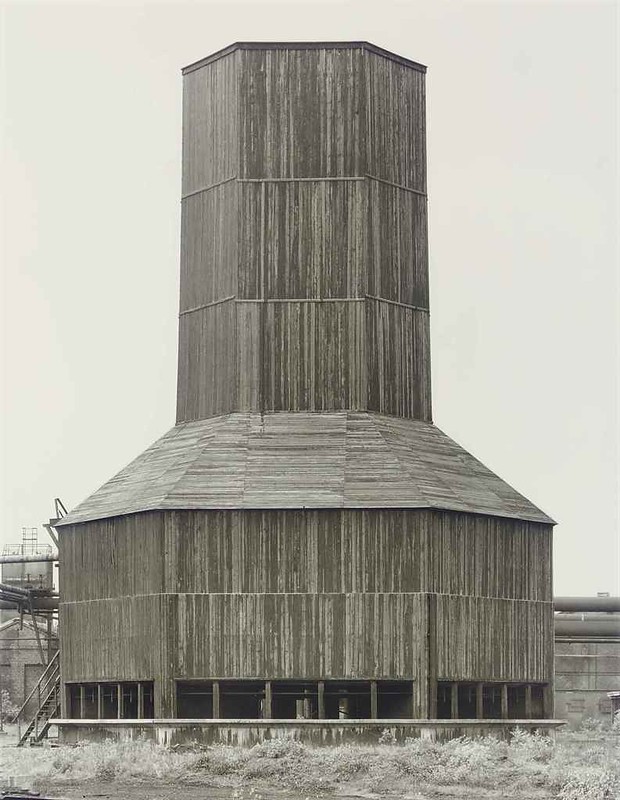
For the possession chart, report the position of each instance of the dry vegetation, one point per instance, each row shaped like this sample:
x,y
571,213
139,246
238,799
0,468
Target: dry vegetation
x,y
578,766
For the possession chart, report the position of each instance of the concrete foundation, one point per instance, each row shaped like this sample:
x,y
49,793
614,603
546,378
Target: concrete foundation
x,y
246,733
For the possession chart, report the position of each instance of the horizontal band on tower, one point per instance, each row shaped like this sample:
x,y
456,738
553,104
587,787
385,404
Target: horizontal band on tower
x,y
305,180
303,300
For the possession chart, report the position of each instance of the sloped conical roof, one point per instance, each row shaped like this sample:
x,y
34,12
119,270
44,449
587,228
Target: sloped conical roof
x,y
285,460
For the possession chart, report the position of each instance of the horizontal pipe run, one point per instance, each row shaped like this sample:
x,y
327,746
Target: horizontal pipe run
x,y
587,628
29,559
39,604
577,604
14,590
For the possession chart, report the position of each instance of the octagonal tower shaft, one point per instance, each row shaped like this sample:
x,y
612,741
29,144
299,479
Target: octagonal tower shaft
x,y
304,269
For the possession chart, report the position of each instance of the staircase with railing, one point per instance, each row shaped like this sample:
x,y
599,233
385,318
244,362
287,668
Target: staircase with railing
x,y
47,696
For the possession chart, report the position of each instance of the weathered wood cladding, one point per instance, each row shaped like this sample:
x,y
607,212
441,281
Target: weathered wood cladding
x,y
305,459
302,113
310,239
208,380
123,639
210,125
209,246
294,635
323,113
397,255
500,640
303,551
399,363
396,123
303,239
308,208
245,635
304,356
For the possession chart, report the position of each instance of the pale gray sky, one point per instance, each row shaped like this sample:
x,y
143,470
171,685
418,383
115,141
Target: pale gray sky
x,y
523,183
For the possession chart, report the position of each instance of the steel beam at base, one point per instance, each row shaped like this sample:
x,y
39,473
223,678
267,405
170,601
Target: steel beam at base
x,y
246,733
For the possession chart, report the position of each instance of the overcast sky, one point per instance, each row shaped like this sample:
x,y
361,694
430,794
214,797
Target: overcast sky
x,y
523,210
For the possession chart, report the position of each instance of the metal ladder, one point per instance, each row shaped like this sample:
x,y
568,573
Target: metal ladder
x,y
47,693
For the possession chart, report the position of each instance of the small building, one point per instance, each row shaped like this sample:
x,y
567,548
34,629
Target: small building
x,y
25,652
587,657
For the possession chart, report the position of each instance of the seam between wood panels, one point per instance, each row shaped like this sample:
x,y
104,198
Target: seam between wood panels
x,y
207,305
208,188
313,300
323,179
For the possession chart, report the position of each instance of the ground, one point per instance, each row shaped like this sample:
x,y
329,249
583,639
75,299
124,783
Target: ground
x,y
576,766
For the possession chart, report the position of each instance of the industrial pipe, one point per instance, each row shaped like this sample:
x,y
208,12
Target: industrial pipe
x,y
608,604
39,604
28,559
6,587
587,628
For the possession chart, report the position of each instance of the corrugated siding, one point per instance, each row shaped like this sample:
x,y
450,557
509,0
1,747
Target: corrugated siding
x,y
495,640
306,552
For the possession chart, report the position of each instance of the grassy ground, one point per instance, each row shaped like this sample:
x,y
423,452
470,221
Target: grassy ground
x,y
578,766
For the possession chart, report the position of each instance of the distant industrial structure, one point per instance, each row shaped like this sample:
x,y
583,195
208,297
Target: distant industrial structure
x,y
305,545
587,657
28,617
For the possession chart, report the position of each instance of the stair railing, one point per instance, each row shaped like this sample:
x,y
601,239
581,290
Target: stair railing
x,y
44,687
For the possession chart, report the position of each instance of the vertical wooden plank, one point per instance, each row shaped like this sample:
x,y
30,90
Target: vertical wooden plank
x,y
119,701
373,700
82,701
65,702
99,701
140,700
548,701
216,700
267,714
158,699
416,700
454,700
431,643
504,701
321,698
479,701
528,701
